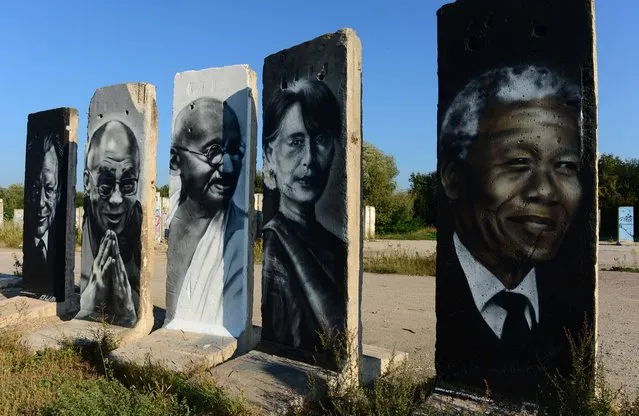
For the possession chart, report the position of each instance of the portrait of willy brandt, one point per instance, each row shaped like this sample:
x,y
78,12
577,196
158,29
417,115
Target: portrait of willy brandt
x,y
510,164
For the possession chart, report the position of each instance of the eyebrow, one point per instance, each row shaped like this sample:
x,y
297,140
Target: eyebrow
x,y
296,135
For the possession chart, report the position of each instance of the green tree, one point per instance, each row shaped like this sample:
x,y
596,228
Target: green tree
x,y
618,181
164,191
423,187
79,199
259,182
393,210
13,198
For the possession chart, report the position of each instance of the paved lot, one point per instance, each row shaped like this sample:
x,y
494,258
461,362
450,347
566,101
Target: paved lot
x,y
399,311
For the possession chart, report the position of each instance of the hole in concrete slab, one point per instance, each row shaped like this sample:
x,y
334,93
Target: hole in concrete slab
x,y
100,115
488,23
472,43
322,74
540,31
126,112
192,106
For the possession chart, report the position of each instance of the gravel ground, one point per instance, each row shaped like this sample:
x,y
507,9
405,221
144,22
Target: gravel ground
x,y
398,312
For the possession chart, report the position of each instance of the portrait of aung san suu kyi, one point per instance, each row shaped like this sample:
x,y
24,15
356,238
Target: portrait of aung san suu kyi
x,y
303,276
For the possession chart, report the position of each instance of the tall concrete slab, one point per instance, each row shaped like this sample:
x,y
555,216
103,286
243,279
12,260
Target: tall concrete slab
x,y
311,143
49,201
626,230
209,287
118,227
517,215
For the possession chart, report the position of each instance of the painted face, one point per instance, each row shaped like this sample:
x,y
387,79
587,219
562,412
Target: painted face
x,y
113,180
211,153
522,183
301,163
45,193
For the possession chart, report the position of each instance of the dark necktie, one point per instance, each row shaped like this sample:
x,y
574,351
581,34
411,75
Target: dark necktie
x,y
42,254
516,334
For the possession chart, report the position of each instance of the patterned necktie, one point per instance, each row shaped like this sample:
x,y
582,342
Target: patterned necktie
x,y
516,333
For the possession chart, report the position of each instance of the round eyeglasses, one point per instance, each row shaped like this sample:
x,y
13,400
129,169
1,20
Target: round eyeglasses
x,y
106,185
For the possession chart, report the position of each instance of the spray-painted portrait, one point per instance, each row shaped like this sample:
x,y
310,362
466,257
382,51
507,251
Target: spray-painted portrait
x,y
510,163
303,276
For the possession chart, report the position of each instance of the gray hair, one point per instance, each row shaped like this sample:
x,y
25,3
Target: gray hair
x,y
460,126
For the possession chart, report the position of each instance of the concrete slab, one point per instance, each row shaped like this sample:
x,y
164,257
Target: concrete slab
x,y
450,404
8,281
78,330
377,361
177,350
271,383
18,309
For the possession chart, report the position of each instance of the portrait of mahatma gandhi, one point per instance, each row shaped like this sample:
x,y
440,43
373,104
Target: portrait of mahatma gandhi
x,y
205,284
510,153
110,273
43,196
303,275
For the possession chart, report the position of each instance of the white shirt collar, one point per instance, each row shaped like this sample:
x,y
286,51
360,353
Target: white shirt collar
x,y
45,240
484,285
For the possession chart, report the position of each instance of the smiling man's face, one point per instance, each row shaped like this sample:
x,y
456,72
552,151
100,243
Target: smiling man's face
x,y
522,184
112,178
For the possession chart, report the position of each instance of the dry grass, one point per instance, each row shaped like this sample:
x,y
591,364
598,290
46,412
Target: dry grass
x,y
10,235
426,233
401,262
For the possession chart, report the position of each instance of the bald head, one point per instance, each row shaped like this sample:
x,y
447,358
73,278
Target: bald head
x,y
204,117
113,137
207,150
111,175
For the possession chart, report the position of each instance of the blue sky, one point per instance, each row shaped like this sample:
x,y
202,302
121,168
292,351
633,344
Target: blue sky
x,y
56,54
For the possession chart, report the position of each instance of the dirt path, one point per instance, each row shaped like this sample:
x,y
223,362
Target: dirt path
x,y
398,312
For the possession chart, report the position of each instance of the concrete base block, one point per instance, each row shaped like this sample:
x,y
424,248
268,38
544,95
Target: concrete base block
x,y
276,384
377,361
9,281
18,309
457,403
76,330
271,383
177,350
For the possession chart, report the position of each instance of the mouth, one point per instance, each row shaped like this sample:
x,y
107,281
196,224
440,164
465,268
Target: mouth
x,y
113,219
536,223
307,181
42,220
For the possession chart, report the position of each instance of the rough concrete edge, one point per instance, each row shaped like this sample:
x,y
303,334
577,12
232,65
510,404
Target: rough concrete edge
x,y
145,96
353,135
71,302
246,340
593,29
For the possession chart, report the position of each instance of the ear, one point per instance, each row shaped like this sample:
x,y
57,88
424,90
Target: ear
x,y
451,177
269,172
174,161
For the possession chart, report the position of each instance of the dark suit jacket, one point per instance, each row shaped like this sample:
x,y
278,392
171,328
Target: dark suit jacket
x,y
43,279
301,263
469,354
